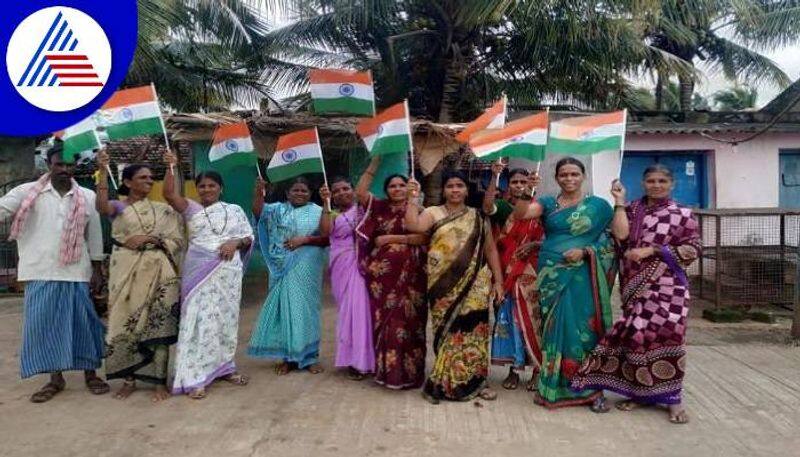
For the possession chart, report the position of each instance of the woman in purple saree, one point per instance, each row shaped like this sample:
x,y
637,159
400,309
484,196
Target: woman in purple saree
x,y
643,357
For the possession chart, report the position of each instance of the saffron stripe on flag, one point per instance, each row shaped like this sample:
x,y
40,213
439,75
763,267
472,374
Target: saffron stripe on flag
x,y
325,76
126,97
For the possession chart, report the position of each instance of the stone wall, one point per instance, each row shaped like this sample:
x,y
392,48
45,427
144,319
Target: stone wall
x,y
16,158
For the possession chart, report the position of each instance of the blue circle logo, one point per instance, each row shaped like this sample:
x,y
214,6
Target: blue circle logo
x,y
347,90
289,155
63,60
126,114
232,146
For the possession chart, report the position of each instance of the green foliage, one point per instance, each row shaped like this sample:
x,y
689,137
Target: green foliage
x,y
736,99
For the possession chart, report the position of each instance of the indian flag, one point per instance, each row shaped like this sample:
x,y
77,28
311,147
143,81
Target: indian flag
x,y
232,146
296,154
79,139
524,138
131,112
588,134
492,118
342,92
388,132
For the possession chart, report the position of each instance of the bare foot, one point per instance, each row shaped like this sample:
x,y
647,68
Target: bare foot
x,y
315,368
237,379
198,394
628,405
488,394
677,415
160,394
128,387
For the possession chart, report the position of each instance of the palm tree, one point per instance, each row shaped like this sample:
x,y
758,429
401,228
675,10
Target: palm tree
x,y
208,54
736,99
450,57
700,30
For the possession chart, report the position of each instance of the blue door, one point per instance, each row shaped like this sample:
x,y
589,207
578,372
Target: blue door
x,y
789,195
688,169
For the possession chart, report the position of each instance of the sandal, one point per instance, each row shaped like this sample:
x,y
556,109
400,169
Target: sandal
x,y
599,405
198,394
47,392
512,381
488,394
96,385
315,369
128,387
283,368
679,418
236,379
533,384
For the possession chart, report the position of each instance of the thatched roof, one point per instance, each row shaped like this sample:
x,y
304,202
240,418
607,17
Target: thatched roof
x,y
432,141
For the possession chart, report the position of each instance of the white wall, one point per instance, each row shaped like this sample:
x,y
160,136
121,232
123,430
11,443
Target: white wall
x,y
742,176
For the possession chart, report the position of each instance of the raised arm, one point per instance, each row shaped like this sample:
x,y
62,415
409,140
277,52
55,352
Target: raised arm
x,y
524,208
415,221
489,197
362,188
259,191
620,226
169,191
326,220
104,207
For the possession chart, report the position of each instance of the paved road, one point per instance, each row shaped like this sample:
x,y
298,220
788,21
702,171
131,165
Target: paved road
x,y
744,400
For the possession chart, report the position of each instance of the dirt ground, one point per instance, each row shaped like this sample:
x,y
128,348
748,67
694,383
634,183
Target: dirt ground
x,y
742,393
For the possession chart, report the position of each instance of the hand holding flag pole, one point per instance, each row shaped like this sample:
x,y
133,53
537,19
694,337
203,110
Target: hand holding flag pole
x,y
324,174
106,164
538,168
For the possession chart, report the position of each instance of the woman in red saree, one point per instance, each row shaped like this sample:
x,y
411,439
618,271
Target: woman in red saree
x,y
516,339
643,357
393,263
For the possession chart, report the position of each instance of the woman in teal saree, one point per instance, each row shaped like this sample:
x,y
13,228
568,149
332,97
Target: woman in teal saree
x,y
576,271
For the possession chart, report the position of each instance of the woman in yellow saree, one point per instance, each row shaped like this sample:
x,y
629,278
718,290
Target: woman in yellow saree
x,y
144,286
464,276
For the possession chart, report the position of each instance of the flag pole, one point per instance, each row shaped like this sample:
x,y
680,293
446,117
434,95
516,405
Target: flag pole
x,y
505,118
547,140
410,139
622,143
108,166
324,174
163,127
373,91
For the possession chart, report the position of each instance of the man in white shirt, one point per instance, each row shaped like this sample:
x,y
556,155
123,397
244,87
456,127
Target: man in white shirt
x,y
60,245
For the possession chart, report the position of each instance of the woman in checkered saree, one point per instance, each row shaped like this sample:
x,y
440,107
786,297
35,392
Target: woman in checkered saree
x,y
643,357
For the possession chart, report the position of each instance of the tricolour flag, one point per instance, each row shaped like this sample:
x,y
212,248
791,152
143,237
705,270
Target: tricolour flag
x,y
342,92
388,132
232,146
524,138
587,134
79,139
492,118
297,153
131,112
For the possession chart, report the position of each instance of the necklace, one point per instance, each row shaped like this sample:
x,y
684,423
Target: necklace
x,y
559,205
147,229
224,225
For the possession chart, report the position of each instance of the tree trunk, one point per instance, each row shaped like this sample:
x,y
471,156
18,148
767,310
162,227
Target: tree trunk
x,y
686,93
432,186
659,92
454,75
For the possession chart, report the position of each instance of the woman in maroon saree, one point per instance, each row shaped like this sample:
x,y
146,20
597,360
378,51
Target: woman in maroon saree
x,y
393,263
643,357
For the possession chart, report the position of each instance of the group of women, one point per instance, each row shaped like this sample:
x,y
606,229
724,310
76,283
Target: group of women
x,y
546,266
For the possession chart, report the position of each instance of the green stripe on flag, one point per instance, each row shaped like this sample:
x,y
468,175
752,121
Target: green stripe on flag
x,y
559,146
345,105
149,126
239,159
521,151
391,144
74,145
301,167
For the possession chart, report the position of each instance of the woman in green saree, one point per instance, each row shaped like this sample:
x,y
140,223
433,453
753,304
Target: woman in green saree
x,y
576,271
464,275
